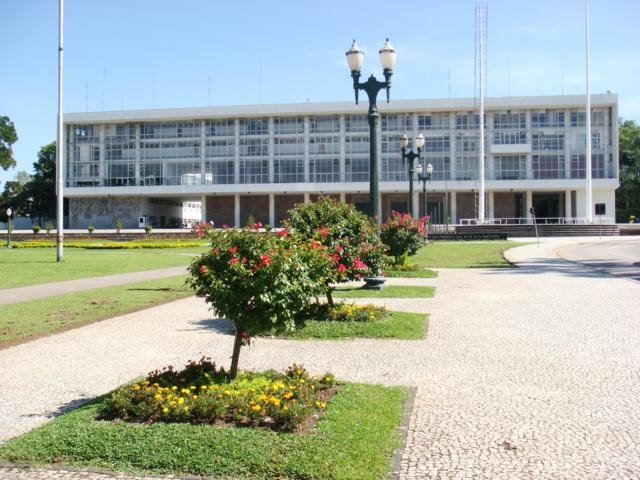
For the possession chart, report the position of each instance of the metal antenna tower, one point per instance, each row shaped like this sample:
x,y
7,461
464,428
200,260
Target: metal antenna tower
x,y
480,94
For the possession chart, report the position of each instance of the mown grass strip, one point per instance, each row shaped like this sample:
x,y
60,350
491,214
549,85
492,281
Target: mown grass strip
x,y
19,321
460,254
355,438
418,273
392,291
31,266
400,325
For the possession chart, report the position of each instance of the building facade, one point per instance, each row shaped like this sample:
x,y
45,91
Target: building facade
x,y
259,161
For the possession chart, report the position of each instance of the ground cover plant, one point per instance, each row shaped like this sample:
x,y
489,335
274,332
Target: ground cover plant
x,y
460,254
202,393
30,266
355,438
392,291
24,320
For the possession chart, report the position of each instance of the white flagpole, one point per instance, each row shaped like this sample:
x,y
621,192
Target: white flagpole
x,y
588,186
60,147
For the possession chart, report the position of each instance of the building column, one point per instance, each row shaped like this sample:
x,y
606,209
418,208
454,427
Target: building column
x,y
416,203
491,205
203,208
341,164
567,205
102,172
272,209
203,152
307,197
529,203
136,166
270,154
306,150
236,210
236,162
454,207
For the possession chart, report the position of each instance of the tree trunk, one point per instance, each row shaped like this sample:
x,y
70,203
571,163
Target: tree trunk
x,y
237,344
329,297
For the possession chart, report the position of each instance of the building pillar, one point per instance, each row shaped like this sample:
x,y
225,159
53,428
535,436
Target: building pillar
x,y
341,164
270,154
236,210
343,197
416,203
203,152
529,203
307,197
236,163
136,167
307,176
567,205
272,209
203,208
454,207
491,203
102,172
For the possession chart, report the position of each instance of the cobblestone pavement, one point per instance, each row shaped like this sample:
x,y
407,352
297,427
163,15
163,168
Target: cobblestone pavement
x,y
527,373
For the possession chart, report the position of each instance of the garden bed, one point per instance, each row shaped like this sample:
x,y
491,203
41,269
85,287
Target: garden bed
x,y
355,437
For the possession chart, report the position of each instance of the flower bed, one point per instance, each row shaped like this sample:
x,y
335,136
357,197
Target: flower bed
x,y
343,312
200,393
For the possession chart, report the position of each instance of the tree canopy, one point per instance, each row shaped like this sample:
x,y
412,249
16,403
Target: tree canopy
x,y
8,137
628,195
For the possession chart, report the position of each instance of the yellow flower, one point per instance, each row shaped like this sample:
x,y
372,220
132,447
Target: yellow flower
x,y
288,395
181,400
165,410
192,387
157,397
262,397
203,387
136,387
227,392
174,388
186,409
285,408
256,408
194,397
275,401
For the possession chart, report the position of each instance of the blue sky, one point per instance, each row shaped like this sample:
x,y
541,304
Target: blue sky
x,y
293,51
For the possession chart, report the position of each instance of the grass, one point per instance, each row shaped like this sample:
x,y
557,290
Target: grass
x,y
419,273
392,291
30,266
355,438
400,325
26,319
463,254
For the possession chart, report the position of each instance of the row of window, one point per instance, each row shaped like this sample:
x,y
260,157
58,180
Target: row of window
x,y
331,124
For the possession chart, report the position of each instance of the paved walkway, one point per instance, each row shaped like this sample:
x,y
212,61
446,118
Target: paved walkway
x,y
525,373
53,289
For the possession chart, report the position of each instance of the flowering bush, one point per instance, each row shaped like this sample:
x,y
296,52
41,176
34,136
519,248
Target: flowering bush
x,y
256,280
201,394
347,237
403,235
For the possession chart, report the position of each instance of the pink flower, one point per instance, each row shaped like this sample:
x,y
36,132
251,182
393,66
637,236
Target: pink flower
x,y
339,249
359,264
233,249
233,260
324,231
216,250
342,268
335,257
225,226
204,269
283,233
265,259
257,225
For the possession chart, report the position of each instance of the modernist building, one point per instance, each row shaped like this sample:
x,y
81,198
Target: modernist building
x,y
261,160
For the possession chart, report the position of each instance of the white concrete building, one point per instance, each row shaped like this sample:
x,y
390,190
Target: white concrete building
x,y
260,160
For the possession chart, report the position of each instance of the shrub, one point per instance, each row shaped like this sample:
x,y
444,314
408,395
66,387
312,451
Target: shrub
x,y
36,229
147,229
258,281
342,312
349,239
201,394
90,229
48,227
403,235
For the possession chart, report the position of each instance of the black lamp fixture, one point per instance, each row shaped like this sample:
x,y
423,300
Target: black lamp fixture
x,y
411,156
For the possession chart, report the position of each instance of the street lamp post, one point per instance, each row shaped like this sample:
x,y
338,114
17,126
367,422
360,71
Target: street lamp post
x,y
9,212
410,157
424,178
355,59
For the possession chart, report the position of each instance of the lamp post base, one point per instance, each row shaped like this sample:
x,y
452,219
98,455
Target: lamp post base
x,y
374,283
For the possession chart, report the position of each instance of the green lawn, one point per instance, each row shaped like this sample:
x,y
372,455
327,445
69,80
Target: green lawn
x,y
463,254
25,319
392,291
355,438
401,325
419,273
29,266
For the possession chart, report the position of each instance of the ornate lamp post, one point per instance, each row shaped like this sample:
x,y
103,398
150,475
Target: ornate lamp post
x,y
424,178
355,59
9,212
410,157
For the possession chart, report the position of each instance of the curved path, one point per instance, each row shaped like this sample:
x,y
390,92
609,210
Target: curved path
x,y
621,258
532,372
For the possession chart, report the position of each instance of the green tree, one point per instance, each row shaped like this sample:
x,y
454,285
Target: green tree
x,y
8,137
42,186
628,195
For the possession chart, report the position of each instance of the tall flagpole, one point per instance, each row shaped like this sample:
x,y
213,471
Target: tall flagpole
x,y
588,197
60,147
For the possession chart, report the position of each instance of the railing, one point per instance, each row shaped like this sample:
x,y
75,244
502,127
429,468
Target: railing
x,y
540,220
